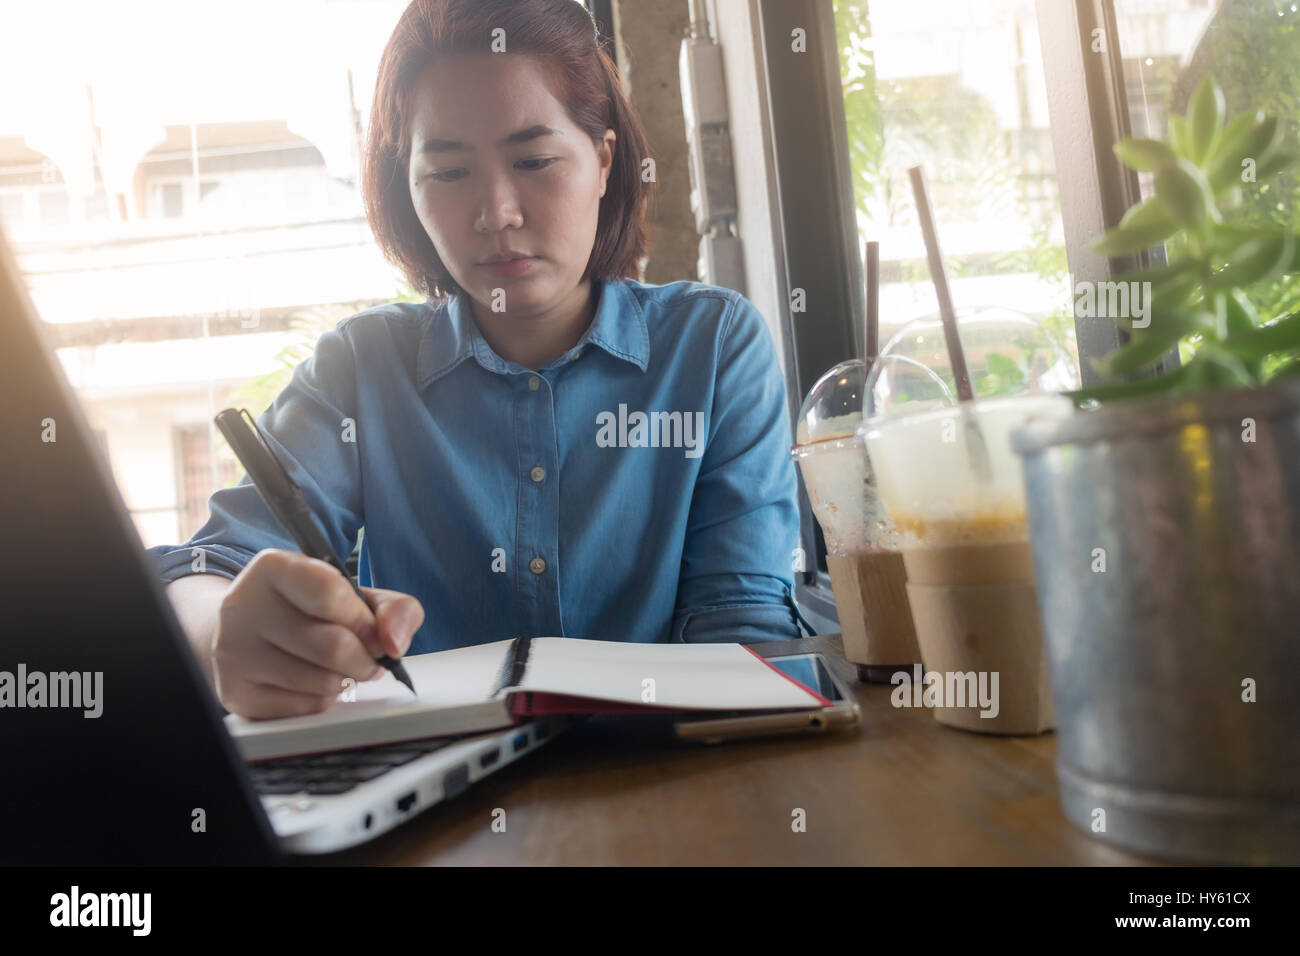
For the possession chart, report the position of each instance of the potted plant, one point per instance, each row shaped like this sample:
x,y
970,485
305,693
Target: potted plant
x,y
1165,520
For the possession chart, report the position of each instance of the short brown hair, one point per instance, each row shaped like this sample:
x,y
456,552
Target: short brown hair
x,y
564,36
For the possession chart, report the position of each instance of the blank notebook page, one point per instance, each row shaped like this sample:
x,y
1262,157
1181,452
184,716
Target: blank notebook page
x,y
713,676
462,675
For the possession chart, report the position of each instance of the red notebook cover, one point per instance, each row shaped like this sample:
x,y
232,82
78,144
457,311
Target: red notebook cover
x,y
540,703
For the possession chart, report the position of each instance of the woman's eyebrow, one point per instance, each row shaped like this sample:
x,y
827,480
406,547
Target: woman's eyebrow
x,y
519,136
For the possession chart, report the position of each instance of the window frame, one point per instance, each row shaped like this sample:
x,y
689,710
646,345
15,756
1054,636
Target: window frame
x,y
602,11
817,239
817,230
1088,89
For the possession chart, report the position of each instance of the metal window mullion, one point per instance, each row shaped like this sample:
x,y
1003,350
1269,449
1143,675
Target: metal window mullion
x,y
816,229
1088,107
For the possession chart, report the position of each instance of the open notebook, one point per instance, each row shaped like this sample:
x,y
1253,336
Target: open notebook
x,y
488,686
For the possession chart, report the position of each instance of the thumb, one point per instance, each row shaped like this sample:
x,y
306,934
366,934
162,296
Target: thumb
x,y
397,615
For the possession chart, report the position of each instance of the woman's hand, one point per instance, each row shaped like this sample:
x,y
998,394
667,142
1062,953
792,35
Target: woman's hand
x,y
290,629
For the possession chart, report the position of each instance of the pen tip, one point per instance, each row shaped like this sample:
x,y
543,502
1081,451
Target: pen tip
x,y
395,667
401,674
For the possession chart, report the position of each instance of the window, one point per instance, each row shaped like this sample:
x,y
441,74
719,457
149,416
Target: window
x,y
200,475
211,255
168,201
1014,114
958,88
883,85
1251,48
97,205
11,210
55,210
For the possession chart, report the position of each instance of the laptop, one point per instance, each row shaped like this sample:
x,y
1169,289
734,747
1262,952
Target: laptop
x,y
113,747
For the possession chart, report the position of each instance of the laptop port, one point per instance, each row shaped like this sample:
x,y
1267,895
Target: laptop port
x,y
406,802
521,742
543,731
455,782
489,758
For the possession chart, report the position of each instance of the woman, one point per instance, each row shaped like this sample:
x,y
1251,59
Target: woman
x,y
547,447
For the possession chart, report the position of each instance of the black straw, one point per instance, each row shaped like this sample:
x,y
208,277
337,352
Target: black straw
x,y
871,341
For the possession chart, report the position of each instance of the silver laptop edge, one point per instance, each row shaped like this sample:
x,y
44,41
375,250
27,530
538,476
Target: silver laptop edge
x,y
307,823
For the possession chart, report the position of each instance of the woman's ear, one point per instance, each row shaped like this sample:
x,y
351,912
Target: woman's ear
x,y
605,156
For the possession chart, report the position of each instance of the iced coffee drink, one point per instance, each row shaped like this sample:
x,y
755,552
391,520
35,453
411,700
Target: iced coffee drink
x,y
955,492
862,556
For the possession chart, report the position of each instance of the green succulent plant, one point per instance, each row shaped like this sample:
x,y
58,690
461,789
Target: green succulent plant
x,y
1198,298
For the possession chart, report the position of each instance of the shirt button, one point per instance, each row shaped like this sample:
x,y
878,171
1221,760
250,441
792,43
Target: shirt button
x,y
575,353
533,382
538,473
537,565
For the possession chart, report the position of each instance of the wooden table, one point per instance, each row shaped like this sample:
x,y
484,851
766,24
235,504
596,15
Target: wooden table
x,y
903,789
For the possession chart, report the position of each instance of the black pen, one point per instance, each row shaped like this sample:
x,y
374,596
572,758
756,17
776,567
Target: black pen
x,y
285,500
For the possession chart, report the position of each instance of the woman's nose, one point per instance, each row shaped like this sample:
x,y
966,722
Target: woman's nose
x,y
498,208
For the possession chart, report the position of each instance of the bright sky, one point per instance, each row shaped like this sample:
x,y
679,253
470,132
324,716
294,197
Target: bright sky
x,y
170,61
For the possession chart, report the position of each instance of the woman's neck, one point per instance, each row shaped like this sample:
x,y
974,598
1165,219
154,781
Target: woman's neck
x,y
533,339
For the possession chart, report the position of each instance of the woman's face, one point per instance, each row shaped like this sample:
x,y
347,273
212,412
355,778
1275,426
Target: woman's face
x,y
497,166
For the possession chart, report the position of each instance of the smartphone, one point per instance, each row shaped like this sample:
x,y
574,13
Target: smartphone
x,y
809,670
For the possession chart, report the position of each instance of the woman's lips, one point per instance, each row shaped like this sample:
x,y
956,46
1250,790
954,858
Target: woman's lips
x,y
510,267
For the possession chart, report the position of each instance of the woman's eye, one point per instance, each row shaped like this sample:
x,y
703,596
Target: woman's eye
x,y
453,174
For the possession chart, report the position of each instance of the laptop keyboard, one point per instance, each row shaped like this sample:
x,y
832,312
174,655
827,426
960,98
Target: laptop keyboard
x,y
338,772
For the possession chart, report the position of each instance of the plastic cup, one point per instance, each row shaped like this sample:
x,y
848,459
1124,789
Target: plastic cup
x,y
964,538
863,558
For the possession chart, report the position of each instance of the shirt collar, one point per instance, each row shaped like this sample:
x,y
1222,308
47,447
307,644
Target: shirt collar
x,y
618,327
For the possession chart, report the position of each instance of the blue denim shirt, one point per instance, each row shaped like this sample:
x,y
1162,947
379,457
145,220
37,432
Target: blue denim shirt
x,y
637,488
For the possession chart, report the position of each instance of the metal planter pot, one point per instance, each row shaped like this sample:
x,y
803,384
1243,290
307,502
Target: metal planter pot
x,y
1155,640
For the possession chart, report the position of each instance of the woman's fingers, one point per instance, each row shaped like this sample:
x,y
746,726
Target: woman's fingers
x,y
398,616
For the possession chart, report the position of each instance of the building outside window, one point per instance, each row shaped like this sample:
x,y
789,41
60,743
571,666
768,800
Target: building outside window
x,y
188,222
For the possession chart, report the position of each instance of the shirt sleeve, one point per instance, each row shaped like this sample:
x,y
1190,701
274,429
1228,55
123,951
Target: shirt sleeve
x,y
737,576
312,428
